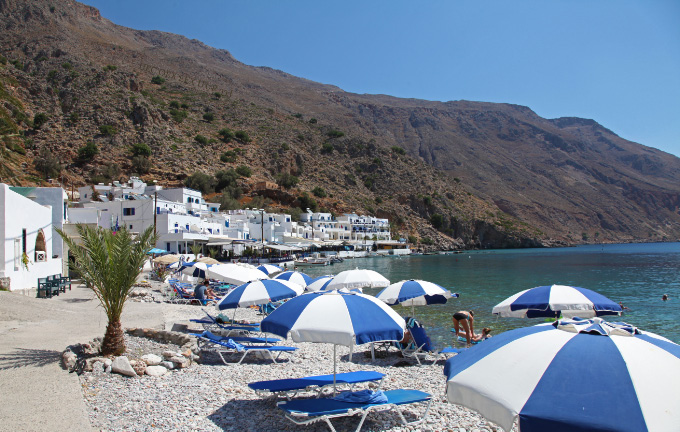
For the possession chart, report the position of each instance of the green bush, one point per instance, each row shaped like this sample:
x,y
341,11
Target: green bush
x,y
226,135
312,120
107,130
157,80
39,120
398,150
437,220
201,140
307,202
87,152
184,106
333,133
73,118
426,241
178,115
209,117
141,164
110,68
174,104
228,156
287,180
327,148
412,239
378,200
201,182
242,136
217,95
141,149
244,171
67,66
319,192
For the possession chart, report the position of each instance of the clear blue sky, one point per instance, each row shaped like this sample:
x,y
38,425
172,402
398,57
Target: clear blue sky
x,y
614,61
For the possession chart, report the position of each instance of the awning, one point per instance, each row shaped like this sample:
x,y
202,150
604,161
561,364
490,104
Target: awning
x,y
282,247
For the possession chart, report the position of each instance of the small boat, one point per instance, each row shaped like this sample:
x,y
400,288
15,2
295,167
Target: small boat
x,y
309,261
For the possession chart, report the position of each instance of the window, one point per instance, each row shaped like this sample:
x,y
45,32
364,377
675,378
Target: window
x,y
158,210
130,211
130,227
167,247
189,199
85,196
226,223
23,240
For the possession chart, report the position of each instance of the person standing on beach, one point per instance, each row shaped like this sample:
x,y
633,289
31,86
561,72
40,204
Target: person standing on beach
x,y
466,320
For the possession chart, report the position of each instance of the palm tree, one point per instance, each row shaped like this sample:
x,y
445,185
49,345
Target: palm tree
x,y
109,263
196,249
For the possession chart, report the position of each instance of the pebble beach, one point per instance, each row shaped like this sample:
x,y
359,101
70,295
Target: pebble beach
x,y
212,396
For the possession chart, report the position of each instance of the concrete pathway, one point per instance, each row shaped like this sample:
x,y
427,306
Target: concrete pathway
x,y
36,394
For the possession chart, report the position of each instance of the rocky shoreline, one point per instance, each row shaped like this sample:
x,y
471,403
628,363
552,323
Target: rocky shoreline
x,y
210,396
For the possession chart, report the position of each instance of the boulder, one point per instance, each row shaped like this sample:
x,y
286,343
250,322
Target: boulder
x,y
89,363
122,366
156,371
152,359
139,366
180,362
68,360
167,364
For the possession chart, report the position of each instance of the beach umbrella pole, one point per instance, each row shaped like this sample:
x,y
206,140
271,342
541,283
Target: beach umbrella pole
x,y
335,368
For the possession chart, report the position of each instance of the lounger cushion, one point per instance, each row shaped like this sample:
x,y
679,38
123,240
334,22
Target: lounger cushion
x,y
363,397
291,384
321,407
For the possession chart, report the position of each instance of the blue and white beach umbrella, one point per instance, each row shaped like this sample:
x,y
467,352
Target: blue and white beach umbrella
x,y
294,276
337,318
259,292
195,269
571,375
319,283
269,269
358,278
415,293
550,301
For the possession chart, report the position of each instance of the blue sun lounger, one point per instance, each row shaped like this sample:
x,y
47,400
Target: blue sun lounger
x,y
306,411
425,347
240,339
210,322
290,387
230,347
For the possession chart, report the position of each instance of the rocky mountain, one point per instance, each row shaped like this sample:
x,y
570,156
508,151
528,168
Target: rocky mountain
x,y
455,174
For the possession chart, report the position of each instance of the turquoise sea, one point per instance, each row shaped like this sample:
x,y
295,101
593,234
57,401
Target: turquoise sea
x,y
636,274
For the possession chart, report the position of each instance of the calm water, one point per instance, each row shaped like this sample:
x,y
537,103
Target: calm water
x,y
636,274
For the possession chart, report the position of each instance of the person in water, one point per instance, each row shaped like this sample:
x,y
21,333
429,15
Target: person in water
x,y
465,319
623,308
664,297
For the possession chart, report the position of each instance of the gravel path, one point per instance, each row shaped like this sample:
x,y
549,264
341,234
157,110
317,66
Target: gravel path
x,y
213,396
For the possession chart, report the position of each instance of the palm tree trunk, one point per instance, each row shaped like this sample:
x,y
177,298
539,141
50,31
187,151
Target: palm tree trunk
x,y
113,343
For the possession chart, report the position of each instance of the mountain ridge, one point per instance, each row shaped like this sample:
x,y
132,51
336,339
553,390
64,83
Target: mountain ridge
x,y
571,179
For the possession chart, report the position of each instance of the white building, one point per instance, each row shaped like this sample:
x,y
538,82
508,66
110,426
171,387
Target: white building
x,y
115,190
27,230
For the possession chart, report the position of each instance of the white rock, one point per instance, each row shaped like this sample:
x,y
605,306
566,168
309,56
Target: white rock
x,y
167,364
107,362
180,361
122,366
156,371
152,359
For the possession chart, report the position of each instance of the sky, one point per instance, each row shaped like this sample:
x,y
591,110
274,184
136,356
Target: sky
x,y
614,61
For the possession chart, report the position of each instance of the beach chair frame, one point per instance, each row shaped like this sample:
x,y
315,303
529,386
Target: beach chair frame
x,y
303,418
220,348
317,389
